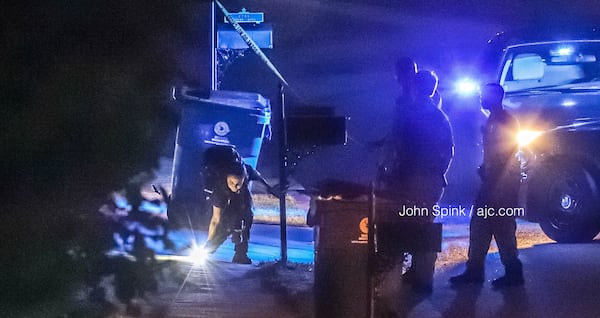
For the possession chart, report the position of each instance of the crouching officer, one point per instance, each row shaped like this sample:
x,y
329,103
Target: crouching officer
x,y
228,179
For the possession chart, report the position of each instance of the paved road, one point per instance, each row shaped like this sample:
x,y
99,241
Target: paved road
x,y
561,280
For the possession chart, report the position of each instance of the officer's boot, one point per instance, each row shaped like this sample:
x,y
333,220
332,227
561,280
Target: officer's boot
x,y
474,274
513,276
241,253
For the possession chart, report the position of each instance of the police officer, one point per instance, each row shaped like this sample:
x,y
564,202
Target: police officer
x,y
422,148
231,213
500,182
405,70
232,205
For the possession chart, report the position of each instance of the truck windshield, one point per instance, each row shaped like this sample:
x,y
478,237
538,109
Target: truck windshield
x,y
550,65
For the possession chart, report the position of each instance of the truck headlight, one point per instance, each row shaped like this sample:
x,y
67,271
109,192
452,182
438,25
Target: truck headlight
x,y
525,137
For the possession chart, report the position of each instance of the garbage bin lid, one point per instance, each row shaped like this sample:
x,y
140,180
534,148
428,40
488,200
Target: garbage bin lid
x,y
239,99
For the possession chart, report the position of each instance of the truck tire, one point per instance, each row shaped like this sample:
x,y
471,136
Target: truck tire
x,y
565,196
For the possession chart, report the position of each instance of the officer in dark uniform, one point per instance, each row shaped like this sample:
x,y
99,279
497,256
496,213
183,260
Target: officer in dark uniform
x,y
420,148
500,182
405,70
232,205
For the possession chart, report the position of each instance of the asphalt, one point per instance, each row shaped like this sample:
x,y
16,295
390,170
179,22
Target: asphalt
x,y
561,281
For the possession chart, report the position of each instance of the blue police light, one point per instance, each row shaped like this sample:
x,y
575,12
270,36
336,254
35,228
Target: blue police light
x,y
466,87
568,103
562,51
565,51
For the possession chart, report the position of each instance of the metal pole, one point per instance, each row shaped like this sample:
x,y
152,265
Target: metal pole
x,y
213,55
371,270
283,184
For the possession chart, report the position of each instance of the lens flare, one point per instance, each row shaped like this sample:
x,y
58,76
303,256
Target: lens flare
x,y
565,51
198,255
525,137
466,87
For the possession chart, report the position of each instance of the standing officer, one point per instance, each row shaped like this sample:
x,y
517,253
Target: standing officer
x,y
405,70
420,150
500,182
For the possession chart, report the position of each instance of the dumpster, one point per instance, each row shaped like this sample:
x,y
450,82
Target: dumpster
x,y
238,119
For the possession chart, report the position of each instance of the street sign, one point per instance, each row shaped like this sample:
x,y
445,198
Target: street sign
x,y
228,37
247,17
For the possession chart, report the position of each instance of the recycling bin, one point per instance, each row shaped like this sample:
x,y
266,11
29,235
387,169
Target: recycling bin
x,y
237,119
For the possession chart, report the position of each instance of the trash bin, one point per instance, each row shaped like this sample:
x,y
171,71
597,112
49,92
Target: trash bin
x,y
341,255
238,119
342,282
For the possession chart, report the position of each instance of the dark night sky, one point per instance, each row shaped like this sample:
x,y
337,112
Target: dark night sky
x,y
340,54
106,54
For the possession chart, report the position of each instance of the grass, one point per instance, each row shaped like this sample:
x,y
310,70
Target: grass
x,y
266,209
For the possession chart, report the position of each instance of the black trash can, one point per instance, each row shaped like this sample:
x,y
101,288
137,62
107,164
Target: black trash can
x,y
238,119
341,259
342,285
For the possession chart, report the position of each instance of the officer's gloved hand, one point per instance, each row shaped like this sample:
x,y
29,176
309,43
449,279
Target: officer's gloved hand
x,y
210,247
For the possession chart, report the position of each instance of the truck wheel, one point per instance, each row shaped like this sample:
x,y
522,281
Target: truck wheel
x,y
565,196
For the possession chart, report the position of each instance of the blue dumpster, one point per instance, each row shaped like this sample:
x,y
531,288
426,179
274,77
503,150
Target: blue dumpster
x,y
238,119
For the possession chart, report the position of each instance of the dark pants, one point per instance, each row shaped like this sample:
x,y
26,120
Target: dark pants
x,y
236,220
422,191
494,195
502,229
232,225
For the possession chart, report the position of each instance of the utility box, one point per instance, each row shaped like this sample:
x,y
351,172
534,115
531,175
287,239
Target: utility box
x,y
237,119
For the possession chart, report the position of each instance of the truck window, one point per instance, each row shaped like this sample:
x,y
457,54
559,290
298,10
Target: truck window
x,y
550,65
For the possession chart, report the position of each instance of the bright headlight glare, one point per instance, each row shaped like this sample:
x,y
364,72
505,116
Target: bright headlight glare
x,y
525,137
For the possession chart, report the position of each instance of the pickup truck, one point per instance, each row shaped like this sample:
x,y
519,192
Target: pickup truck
x,y
552,85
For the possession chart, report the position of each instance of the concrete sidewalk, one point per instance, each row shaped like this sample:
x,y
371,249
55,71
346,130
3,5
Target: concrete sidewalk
x,y
264,244
219,288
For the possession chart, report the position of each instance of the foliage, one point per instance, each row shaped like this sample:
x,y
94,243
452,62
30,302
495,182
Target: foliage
x,y
84,105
